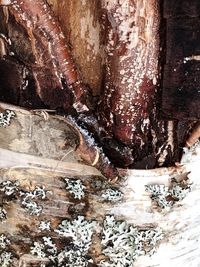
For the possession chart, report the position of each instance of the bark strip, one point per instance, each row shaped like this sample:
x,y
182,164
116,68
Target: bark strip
x,y
55,72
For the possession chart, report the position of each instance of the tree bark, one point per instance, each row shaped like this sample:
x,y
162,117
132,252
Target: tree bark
x,y
37,160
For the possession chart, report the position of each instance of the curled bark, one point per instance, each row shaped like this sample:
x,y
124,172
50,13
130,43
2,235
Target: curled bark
x,y
57,78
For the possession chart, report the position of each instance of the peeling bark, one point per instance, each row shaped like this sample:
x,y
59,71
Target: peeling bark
x,y
128,109
57,79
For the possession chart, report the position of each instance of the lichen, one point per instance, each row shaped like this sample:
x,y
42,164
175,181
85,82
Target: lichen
x,y
79,230
38,250
77,234
165,197
50,245
45,226
123,244
38,192
3,214
5,117
6,257
112,194
9,188
72,258
75,188
190,153
4,241
31,206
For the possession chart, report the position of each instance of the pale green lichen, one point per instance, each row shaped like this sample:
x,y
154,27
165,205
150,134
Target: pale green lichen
x,y
79,230
9,188
37,193
165,197
50,245
6,257
3,214
28,200
123,244
78,234
4,241
75,188
5,117
32,207
72,258
45,226
112,194
189,154
38,249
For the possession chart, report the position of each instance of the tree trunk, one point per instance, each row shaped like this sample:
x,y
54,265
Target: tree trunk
x,y
56,208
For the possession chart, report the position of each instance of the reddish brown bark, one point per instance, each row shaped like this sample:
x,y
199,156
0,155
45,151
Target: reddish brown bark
x,y
128,104
128,128
57,78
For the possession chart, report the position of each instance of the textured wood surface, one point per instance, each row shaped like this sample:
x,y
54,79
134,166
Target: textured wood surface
x,y
80,23
30,156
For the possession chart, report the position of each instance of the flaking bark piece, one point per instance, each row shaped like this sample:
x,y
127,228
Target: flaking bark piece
x,y
91,153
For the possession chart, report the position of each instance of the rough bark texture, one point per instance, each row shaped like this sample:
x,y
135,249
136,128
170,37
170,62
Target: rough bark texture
x,y
128,127
128,109
44,161
132,44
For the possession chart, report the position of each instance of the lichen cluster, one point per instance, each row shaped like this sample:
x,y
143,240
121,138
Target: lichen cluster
x,y
123,244
45,226
75,187
190,153
28,199
6,257
5,117
77,234
3,214
9,188
112,194
69,243
165,197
